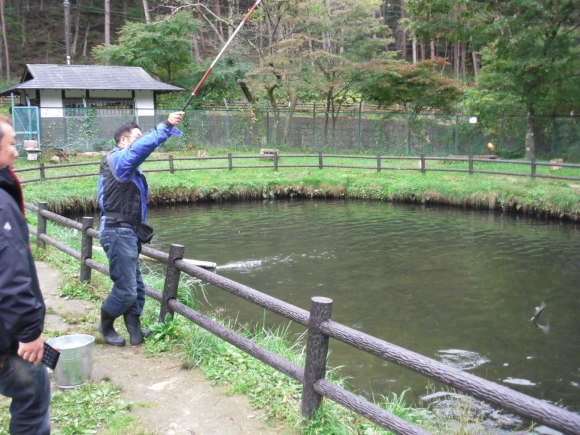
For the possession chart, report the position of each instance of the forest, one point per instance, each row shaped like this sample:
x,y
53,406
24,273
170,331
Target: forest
x,y
487,58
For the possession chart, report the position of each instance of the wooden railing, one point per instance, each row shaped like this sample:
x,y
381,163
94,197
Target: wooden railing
x,y
321,161
320,328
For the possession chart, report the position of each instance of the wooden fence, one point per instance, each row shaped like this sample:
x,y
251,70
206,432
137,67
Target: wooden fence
x,y
320,328
276,161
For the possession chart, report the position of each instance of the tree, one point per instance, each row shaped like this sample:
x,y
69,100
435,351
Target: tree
x,y
146,11
533,55
5,42
416,86
456,21
107,22
321,51
163,48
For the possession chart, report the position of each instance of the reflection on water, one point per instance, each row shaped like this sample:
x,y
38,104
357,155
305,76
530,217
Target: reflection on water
x,y
457,286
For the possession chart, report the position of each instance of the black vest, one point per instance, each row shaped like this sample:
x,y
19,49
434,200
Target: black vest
x,y
121,199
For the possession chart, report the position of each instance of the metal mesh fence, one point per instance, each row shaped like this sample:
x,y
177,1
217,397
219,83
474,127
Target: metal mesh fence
x,y
387,133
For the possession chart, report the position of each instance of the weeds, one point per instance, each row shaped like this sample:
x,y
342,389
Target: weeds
x,y
81,410
86,408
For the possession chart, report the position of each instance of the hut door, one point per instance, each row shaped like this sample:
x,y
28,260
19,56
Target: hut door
x,y
26,123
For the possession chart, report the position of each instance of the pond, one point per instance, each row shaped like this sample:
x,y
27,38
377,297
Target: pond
x,y
459,286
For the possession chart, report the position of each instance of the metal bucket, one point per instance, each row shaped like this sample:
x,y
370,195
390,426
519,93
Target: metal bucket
x,y
75,364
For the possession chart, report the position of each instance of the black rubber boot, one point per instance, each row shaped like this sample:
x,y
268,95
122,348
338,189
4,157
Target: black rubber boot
x,y
106,328
136,334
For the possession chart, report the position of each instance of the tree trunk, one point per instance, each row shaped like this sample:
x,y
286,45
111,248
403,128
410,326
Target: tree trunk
x,y
5,42
414,50
530,139
86,41
422,50
77,30
23,30
456,60
404,34
146,11
475,61
433,53
107,22
463,59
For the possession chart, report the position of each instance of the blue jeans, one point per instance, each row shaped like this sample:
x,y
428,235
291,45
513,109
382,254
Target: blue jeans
x,y
29,388
128,292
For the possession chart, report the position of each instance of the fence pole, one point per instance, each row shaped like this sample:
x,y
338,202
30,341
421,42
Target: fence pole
x,y
230,162
423,168
408,129
41,224
86,249
533,168
471,164
171,167
320,166
316,354
42,174
378,163
456,134
314,125
276,161
360,125
268,126
171,281
554,136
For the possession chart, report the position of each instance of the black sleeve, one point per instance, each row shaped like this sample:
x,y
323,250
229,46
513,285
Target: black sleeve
x,y
21,303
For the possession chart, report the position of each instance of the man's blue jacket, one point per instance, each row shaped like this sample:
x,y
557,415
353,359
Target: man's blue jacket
x,y
123,165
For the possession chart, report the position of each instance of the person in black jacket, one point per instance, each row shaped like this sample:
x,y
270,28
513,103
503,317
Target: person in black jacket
x,y
22,308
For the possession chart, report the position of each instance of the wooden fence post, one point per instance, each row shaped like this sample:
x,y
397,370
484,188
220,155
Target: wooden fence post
x,y
316,354
276,161
471,164
320,166
171,281
423,168
378,163
42,174
41,225
171,167
533,168
86,249
230,162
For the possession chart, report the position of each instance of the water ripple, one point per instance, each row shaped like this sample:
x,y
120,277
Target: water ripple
x,y
461,359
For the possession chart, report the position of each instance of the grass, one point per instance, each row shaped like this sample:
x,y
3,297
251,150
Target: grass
x,y
83,410
545,197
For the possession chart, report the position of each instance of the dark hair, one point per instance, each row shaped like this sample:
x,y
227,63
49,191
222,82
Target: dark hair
x,y
124,130
4,120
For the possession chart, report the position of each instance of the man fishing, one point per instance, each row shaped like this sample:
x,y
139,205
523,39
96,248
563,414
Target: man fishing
x,y
122,195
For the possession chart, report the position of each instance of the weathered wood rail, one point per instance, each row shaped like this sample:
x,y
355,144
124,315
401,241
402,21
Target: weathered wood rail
x,y
320,329
321,161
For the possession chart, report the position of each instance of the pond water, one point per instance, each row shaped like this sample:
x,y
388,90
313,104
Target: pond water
x,y
455,285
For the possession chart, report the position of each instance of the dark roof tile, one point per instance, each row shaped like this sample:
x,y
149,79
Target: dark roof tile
x,y
50,76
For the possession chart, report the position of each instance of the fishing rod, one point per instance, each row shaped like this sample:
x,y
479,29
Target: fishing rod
x,y
220,53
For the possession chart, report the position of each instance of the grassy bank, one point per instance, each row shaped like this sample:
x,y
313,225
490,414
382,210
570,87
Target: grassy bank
x,y
540,197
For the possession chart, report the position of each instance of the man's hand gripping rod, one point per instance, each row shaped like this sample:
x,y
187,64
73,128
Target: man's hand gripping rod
x,y
219,54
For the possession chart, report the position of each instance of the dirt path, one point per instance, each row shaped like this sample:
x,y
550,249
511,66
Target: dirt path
x,y
166,399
